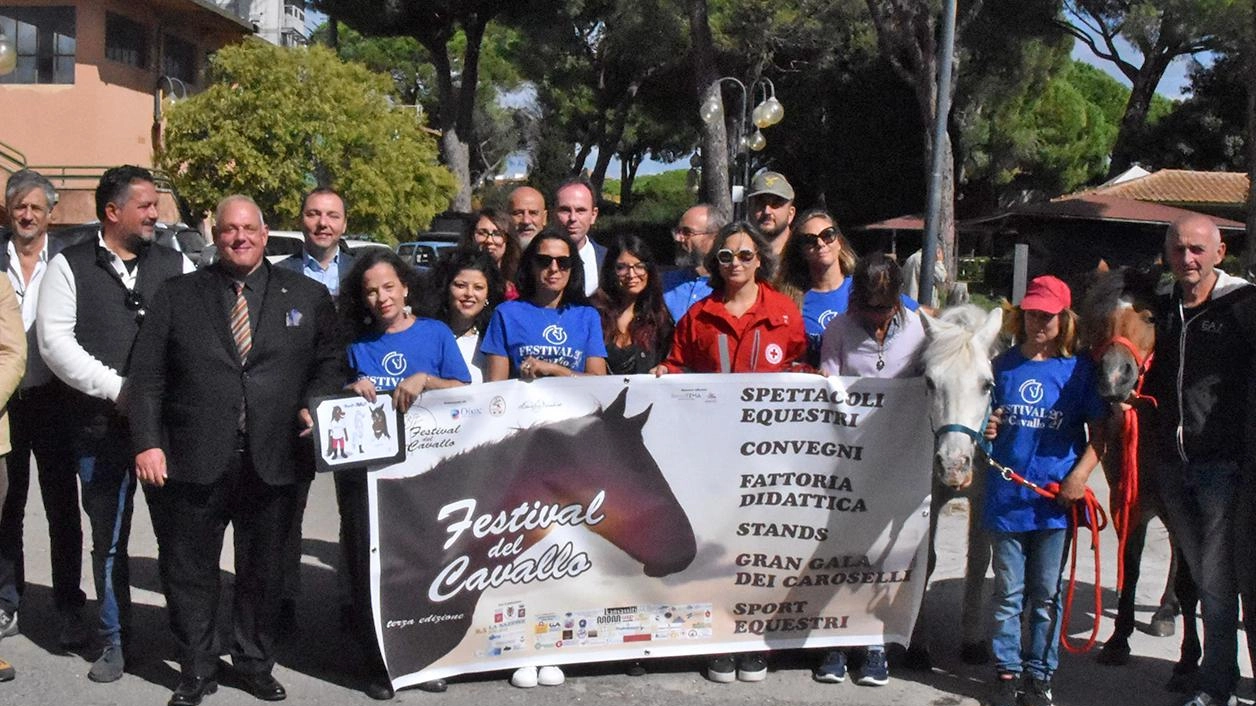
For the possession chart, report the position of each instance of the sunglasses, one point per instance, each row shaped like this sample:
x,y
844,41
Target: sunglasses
x,y
544,261
486,234
828,235
133,301
725,256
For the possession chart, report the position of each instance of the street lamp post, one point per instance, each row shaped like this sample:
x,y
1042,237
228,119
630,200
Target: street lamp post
x,y
767,113
173,87
8,54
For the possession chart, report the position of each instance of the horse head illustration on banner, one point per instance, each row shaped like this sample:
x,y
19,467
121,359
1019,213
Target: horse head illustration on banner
x,y
467,525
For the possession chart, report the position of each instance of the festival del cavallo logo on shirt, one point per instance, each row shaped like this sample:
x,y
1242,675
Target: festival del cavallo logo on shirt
x,y
394,367
1031,412
556,349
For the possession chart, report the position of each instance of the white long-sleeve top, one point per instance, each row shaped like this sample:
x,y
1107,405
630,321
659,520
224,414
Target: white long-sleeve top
x,y
54,324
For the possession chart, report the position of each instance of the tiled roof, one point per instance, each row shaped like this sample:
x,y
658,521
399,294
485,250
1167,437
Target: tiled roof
x,y
1092,207
1178,186
897,223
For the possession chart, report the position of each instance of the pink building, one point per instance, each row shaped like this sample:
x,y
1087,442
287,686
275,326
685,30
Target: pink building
x,y
92,80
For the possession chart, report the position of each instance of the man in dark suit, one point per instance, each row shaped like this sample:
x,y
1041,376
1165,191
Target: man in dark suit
x,y
575,206
221,373
324,218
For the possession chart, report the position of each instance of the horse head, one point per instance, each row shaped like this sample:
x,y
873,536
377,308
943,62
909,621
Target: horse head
x,y
959,346
604,452
1119,328
648,523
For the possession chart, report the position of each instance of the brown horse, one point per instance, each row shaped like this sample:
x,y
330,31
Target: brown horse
x,y
1117,324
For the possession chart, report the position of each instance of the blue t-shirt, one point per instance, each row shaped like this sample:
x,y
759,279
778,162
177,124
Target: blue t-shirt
x,y
567,335
1046,405
819,308
682,288
428,346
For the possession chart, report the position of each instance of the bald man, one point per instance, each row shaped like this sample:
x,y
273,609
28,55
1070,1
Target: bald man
x,y
526,208
1205,338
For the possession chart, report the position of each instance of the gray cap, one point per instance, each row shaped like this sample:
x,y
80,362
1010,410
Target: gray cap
x,y
773,183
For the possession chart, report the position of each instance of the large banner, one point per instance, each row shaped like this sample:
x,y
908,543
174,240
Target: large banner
x,y
604,518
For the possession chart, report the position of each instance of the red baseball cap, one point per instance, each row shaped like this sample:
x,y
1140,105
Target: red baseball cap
x,y
1047,293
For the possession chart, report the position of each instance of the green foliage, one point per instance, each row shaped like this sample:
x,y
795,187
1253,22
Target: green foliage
x,y
657,198
1208,130
276,122
499,131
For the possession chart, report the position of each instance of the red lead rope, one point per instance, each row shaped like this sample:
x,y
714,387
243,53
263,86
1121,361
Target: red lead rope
x,y
1087,512
1123,499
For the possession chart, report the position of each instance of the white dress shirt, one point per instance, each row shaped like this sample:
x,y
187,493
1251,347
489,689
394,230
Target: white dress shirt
x,y
589,258
37,372
57,313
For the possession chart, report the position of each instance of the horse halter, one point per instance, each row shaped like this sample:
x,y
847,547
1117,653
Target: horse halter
x,y
1143,364
978,438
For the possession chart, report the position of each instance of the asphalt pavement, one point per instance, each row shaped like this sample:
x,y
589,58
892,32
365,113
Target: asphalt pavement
x,y
317,665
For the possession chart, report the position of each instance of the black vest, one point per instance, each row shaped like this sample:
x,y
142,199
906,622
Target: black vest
x,y
104,326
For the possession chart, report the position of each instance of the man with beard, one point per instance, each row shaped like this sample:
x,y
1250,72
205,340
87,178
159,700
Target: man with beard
x,y
772,208
526,208
93,298
694,234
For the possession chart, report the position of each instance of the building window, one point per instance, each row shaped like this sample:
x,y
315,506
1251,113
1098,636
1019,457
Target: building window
x,y
44,40
178,59
126,41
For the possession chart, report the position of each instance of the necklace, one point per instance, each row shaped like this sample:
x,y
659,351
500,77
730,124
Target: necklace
x,y
880,356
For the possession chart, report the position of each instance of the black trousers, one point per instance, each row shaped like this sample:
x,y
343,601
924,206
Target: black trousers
x,y
36,425
355,548
190,521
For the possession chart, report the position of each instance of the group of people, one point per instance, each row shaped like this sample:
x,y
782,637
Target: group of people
x,y
130,365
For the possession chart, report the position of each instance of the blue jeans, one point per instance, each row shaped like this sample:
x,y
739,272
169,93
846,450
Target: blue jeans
x,y
104,467
1027,571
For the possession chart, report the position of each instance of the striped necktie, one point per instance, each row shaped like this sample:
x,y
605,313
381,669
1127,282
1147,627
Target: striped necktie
x,y
240,330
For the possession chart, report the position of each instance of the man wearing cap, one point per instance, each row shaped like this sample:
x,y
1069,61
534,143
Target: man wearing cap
x,y
694,234
771,201
1205,340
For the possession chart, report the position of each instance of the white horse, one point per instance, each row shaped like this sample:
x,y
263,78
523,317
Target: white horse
x,y
959,347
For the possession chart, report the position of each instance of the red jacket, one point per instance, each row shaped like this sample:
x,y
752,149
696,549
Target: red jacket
x,y
768,338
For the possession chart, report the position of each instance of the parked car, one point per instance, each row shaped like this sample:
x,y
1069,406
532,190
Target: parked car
x,y
177,236
358,245
424,253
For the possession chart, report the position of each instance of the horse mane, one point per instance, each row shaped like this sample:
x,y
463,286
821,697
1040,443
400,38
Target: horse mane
x,y
951,345
1104,293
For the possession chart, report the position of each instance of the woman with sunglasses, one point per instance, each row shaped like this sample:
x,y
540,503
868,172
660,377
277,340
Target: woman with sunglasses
x,y
550,330
635,324
815,267
467,287
491,235
744,325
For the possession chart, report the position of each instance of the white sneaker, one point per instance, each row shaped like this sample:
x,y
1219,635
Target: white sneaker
x,y
524,677
550,676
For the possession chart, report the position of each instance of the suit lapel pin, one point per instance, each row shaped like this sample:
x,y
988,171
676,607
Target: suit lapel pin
x,y
294,318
